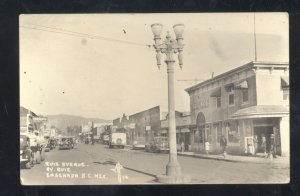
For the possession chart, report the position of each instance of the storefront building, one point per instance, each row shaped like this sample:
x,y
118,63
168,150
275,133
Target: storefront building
x,y
252,99
30,122
183,137
143,125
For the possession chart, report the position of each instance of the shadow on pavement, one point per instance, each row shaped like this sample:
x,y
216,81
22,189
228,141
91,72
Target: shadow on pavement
x,y
131,169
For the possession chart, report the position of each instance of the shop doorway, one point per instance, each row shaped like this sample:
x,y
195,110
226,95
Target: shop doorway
x,y
186,141
260,131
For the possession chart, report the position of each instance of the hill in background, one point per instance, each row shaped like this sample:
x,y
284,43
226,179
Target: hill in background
x,y
62,121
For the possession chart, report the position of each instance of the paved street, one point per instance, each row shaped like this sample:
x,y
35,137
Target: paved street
x,y
93,165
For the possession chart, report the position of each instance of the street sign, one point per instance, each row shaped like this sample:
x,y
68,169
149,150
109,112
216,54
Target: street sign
x,y
117,170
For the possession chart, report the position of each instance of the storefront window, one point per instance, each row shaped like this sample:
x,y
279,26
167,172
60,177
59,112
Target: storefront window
x,y
231,99
218,102
245,95
218,131
208,134
198,136
232,131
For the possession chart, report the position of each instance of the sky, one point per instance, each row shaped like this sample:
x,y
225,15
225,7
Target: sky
x,y
107,68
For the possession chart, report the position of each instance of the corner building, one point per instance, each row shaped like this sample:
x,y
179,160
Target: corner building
x,y
252,99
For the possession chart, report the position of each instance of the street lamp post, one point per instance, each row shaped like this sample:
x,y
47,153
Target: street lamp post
x,y
169,47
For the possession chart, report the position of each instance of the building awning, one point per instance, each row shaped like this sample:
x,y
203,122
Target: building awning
x,y
164,131
242,85
216,92
285,83
261,111
229,87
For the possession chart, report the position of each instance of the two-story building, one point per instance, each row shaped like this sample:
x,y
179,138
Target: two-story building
x,y
252,99
144,125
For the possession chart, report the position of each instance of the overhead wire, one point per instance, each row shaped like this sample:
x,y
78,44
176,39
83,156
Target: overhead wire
x,y
79,34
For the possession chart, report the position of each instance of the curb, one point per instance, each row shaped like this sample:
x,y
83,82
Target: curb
x,y
206,157
224,159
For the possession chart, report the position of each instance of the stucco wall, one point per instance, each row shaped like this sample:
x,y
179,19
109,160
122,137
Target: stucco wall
x,y
268,84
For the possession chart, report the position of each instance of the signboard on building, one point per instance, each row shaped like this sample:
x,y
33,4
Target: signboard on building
x,y
185,130
148,128
164,131
40,119
132,125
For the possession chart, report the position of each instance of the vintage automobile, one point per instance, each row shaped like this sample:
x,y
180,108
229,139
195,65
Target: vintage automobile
x,y
139,143
51,144
158,144
105,139
66,142
117,140
26,155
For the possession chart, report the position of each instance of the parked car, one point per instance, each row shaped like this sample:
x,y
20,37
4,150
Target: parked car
x,y
26,155
105,139
51,144
158,144
139,143
66,143
118,140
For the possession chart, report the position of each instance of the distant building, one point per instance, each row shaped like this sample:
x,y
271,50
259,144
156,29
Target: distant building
x,y
252,99
29,121
144,124
26,120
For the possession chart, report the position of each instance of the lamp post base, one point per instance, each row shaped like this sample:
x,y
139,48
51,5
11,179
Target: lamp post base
x,y
173,169
173,179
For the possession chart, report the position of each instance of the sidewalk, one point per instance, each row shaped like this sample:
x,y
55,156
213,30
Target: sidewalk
x,y
235,158
259,159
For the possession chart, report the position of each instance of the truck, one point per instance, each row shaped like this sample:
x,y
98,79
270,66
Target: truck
x,y
117,140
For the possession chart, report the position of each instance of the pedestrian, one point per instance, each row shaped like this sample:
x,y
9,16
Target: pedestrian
x,y
264,144
182,146
272,151
223,144
207,147
255,142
